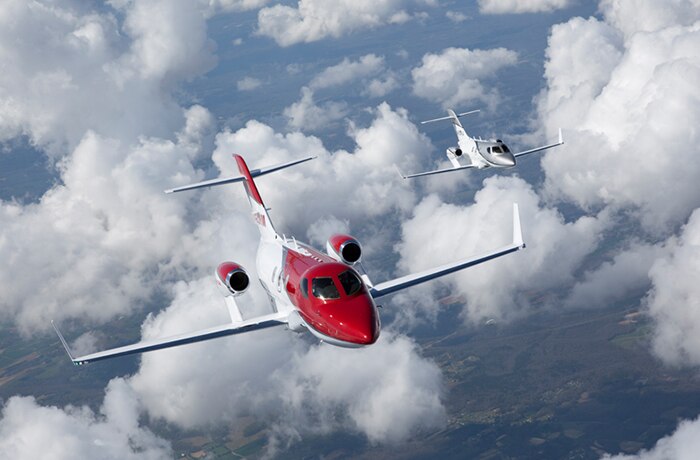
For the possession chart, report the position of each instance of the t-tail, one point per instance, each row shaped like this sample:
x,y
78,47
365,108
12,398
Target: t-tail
x,y
454,117
257,207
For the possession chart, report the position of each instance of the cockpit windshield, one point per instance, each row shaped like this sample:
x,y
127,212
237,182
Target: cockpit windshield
x,y
324,288
496,149
350,282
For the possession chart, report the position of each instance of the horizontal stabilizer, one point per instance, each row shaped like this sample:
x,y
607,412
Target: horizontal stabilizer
x,y
450,117
230,180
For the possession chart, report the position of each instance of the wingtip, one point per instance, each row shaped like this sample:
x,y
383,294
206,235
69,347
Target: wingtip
x,y
399,172
517,229
561,137
63,342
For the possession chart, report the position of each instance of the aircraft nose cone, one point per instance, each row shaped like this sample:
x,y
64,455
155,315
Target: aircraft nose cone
x,y
506,160
360,324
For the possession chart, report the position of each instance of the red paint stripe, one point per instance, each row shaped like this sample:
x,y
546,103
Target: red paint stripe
x,y
250,188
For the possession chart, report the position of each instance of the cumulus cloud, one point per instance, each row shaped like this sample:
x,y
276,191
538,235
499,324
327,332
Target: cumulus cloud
x,y
68,69
454,77
674,301
30,431
276,375
521,6
683,444
626,272
387,391
365,175
555,248
306,115
628,114
313,20
456,16
348,70
108,221
248,84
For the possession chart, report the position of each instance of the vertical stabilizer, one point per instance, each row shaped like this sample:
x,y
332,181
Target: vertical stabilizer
x,y
257,207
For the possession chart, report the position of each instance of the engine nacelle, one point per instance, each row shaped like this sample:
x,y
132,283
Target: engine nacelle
x,y
232,279
344,248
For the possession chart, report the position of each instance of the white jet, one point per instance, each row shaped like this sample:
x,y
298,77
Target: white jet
x,y
478,153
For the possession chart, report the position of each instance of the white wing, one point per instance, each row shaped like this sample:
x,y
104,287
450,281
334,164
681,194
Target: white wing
x,y
538,149
397,284
253,324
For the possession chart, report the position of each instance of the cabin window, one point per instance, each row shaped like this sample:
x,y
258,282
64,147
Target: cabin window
x,y
324,288
304,286
350,282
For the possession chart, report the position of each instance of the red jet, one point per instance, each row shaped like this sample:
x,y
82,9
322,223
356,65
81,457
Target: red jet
x,y
327,294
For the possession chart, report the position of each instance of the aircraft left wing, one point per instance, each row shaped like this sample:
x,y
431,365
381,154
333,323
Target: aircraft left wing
x,y
253,324
389,287
538,149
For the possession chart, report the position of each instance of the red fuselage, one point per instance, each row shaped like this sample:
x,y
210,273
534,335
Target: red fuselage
x,y
331,297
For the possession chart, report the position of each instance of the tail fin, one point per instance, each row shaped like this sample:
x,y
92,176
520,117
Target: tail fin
x,y
257,207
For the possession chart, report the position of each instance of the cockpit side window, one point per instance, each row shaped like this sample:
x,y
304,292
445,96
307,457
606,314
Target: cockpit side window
x,y
304,287
350,282
324,288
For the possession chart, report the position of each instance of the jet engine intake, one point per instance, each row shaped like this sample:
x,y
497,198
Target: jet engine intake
x,y
344,248
458,152
232,279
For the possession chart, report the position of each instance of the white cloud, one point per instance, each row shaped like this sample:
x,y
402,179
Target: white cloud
x,y
100,237
682,444
347,71
628,104
649,16
306,115
453,77
248,84
674,301
365,175
313,20
456,16
29,431
628,271
386,392
439,233
68,69
521,6
380,87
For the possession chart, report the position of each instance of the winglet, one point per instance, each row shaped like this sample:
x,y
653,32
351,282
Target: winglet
x,y
65,344
399,171
561,138
517,231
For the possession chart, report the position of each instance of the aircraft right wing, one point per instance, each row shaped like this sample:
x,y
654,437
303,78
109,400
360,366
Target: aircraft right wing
x,y
252,324
437,171
539,149
389,287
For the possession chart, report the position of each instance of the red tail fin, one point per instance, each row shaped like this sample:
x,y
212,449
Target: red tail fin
x,y
250,187
257,207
